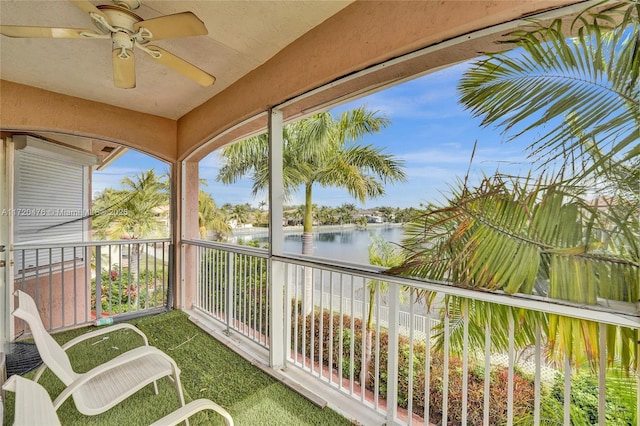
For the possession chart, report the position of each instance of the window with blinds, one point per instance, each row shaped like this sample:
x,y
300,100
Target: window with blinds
x,y
50,207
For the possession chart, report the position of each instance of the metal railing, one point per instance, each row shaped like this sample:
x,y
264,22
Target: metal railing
x,y
233,288
364,334
75,284
458,376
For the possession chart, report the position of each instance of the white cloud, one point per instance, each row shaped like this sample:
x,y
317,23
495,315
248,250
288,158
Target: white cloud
x,y
458,153
415,105
429,97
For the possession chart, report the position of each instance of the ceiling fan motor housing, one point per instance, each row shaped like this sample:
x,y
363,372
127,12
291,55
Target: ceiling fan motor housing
x,y
129,4
120,18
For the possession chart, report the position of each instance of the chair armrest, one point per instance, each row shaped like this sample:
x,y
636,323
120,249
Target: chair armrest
x,y
91,335
32,404
183,413
105,330
125,358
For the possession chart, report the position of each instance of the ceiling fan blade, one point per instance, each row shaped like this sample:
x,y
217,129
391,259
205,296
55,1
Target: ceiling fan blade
x,y
183,24
88,7
183,67
124,71
44,32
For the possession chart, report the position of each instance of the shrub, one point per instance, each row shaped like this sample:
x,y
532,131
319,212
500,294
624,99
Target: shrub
x,y
250,291
120,292
351,332
620,400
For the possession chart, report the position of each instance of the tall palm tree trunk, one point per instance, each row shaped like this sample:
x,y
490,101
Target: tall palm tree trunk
x,y
364,373
307,249
134,264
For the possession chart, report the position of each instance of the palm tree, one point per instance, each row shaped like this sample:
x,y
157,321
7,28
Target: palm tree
x,y
300,214
387,214
381,253
326,215
571,234
240,213
210,217
347,211
319,150
131,212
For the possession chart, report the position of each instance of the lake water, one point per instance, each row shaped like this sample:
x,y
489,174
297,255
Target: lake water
x,y
347,245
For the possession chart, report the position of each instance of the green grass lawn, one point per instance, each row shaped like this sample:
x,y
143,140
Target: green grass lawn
x,y
209,370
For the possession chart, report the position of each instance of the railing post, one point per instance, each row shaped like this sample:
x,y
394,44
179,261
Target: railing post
x,y
230,283
278,323
98,283
170,274
392,360
602,374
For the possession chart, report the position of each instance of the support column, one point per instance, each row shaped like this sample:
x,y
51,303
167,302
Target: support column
x,y
276,183
5,245
186,220
277,288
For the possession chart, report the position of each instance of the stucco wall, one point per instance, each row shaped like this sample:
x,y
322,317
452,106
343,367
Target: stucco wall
x,y
26,108
62,297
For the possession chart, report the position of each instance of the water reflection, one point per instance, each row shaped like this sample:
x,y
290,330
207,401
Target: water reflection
x,y
349,245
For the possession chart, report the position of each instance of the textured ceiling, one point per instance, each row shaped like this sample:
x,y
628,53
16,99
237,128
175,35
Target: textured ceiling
x,y
242,35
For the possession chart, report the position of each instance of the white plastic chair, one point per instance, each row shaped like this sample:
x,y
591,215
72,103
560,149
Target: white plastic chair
x,y
106,385
33,406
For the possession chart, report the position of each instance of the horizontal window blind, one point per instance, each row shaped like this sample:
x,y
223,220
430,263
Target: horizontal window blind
x,y
49,207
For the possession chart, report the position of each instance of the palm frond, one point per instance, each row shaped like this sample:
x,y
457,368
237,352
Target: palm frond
x,y
592,79
527,236
356,123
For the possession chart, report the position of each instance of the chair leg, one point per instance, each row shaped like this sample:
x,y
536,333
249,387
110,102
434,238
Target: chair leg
x,y
155,386
178,385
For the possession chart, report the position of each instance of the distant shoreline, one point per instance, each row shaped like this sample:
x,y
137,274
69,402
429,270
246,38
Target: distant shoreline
x,y
319,228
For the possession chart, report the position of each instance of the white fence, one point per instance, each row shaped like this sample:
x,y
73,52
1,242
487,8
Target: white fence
x,y
406,321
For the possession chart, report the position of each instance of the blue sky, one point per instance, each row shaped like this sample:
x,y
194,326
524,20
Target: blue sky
x,y
430,131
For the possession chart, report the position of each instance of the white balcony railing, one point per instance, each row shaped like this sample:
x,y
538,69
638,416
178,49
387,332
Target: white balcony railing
x,y
233,288
340,318
75,284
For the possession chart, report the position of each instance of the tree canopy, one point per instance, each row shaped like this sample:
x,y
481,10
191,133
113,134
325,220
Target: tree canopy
x,y
319,150
132,212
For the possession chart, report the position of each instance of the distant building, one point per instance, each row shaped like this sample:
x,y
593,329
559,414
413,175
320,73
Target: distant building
x,y
370,215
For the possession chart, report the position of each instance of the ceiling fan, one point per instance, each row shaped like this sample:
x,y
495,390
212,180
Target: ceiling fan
x,y
125,29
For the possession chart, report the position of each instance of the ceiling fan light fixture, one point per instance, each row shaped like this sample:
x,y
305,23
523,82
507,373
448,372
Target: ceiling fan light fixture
x,y
121,41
